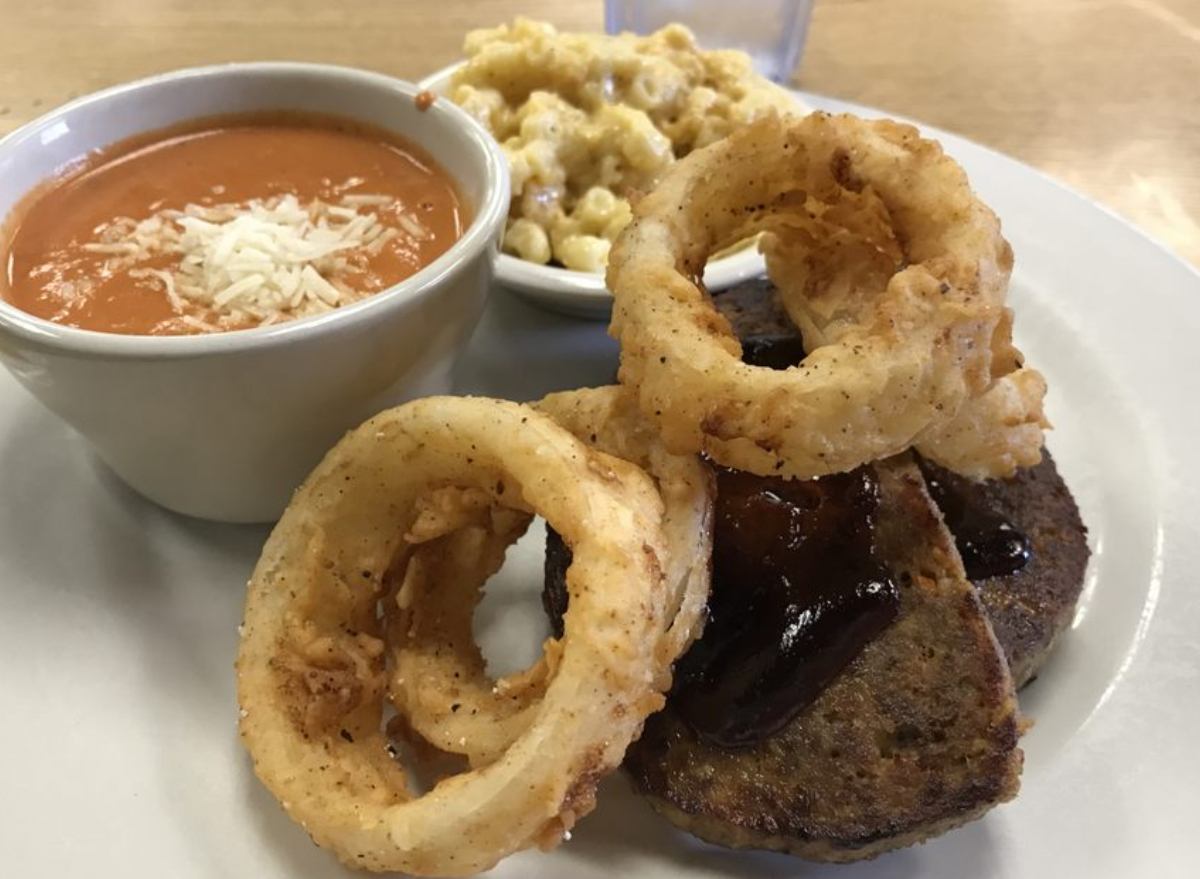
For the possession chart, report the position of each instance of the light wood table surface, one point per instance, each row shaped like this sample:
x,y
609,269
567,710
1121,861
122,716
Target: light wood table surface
x,y
1102,94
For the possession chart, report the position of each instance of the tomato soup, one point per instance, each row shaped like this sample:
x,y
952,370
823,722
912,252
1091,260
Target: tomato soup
x,y
227,224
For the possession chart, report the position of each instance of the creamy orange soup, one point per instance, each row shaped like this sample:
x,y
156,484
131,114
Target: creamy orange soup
x,y
226,224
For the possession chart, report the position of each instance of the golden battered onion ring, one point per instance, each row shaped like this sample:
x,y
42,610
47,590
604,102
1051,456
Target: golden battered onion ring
x,y
995,434
441,687
439,684
311,669
823,287
898,277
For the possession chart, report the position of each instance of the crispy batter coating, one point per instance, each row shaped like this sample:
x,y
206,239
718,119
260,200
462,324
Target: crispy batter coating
x,y
441,686
311,667
895,273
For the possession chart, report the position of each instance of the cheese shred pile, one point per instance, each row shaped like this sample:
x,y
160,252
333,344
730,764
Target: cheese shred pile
x,y
255,262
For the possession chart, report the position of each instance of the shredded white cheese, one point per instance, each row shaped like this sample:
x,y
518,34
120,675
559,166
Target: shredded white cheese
x,y
255,262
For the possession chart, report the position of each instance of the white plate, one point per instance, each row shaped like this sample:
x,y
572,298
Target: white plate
x,y
118,752
583,294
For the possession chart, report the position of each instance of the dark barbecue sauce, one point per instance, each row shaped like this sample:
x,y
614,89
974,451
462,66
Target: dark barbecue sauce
x,y
990,545
797,593
797,590
554,589
774,352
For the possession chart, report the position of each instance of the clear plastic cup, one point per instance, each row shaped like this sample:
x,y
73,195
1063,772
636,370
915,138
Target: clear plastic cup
x,y
770,31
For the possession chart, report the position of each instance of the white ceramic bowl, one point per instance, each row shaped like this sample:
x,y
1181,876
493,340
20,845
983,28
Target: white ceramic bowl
x,y
225,426
583,294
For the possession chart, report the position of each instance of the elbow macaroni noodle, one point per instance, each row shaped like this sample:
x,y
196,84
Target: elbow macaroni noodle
x,y
589,120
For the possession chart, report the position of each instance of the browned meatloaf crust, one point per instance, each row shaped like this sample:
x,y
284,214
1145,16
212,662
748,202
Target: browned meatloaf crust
x,y
1031,608
917,735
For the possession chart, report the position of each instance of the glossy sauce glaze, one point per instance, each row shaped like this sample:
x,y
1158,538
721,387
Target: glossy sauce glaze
x,y
774,352
989,544
798,589
797,593
49,272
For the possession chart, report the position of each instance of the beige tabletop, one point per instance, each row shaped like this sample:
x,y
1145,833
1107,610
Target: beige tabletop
x,y
1102,94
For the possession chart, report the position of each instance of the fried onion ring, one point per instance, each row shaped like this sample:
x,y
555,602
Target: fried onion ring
x,y
894,271
441,687
311,665
439,683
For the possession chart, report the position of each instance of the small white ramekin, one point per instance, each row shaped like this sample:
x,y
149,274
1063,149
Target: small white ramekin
x,y
225,426
584,294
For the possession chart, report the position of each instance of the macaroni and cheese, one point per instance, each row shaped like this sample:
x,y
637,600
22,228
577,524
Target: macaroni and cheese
x,y
588,119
